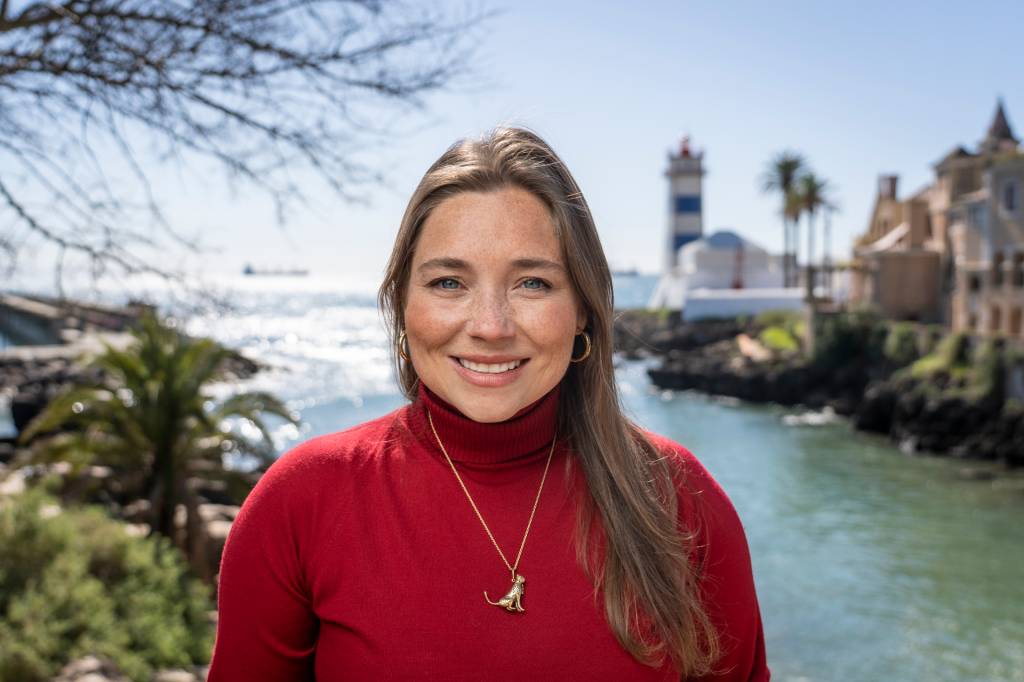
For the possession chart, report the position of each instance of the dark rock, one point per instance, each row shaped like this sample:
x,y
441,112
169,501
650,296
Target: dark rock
x,y
26,405
875,411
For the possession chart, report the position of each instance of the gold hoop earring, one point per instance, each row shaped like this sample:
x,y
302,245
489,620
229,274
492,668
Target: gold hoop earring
x,y
401,347
586,351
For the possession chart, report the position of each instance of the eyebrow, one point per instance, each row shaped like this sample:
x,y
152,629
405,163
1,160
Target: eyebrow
x,y
520,263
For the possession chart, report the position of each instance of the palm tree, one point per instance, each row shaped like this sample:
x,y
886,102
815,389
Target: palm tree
x,y
150,417
780,176
827,258
793,210
812,195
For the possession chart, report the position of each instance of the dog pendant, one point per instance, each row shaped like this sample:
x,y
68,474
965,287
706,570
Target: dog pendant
x,y
513,601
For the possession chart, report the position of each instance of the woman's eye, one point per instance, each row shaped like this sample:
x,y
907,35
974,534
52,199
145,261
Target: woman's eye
x,y
446,283
534,283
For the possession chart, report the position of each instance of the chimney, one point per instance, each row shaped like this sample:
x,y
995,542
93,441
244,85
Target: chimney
x,y
887,186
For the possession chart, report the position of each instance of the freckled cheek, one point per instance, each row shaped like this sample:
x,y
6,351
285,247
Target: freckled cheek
x,y
551,328
429,324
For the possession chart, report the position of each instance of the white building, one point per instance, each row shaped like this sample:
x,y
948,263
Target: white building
x,y
721,275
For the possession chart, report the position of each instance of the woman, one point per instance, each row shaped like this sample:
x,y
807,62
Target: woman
x,y
510,522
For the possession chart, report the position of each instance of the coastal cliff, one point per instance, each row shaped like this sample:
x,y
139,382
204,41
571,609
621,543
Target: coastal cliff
x,y
929,392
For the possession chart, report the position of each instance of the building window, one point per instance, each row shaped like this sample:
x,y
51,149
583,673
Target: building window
x,y
976,218
1015,320
1010,196
972,321
1018,269
974,283
995,319
997,270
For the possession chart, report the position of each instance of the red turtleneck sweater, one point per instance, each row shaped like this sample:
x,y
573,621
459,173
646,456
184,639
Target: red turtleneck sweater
x,y
358,557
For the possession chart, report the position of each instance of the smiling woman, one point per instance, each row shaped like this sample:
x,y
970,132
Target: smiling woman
x,y
374,553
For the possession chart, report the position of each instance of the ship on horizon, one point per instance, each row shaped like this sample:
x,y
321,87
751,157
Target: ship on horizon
x,y
249,270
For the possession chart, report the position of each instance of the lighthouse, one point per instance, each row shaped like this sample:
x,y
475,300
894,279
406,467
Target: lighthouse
x,y
685,175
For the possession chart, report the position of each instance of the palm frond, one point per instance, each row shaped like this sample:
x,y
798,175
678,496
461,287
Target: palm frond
x,y
65,410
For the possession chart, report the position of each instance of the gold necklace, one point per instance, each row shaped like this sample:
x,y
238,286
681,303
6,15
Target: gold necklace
x,y
513,599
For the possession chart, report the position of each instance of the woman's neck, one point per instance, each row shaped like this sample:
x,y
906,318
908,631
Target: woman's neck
x,y
528,433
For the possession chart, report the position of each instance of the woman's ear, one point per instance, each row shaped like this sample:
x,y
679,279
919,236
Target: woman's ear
x,y
581,321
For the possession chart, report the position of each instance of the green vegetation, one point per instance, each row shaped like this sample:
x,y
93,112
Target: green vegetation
x,y
662,314
74,582
950,356
987,380
810,194
972,375
901,344
783,331
929,338
779,339
151,418
780,176
849,337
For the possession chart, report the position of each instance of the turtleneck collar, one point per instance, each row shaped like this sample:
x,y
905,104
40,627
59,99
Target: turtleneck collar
x,y
528,432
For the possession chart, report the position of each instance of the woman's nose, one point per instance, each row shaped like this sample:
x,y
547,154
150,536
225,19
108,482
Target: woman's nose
x,y
491,317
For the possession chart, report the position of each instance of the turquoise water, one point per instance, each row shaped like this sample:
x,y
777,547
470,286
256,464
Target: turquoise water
x,y
870,565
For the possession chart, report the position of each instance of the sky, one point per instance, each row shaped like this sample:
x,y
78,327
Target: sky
x,y
860,89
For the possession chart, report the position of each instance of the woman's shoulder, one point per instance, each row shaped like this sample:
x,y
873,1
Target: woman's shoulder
x,y
683,460
702,499
340,450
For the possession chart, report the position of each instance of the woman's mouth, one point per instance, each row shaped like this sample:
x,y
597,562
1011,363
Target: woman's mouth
x,y
489,374
490,368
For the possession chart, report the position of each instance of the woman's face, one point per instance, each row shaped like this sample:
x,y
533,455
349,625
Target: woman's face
x,y
490,312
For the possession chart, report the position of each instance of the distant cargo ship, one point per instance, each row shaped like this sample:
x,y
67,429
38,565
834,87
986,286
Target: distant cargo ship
x,y
274,272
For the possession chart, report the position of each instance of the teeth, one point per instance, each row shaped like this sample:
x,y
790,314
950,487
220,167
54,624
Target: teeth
x,y
490,369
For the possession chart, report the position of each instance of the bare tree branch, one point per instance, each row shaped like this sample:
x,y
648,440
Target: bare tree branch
x,y
93,92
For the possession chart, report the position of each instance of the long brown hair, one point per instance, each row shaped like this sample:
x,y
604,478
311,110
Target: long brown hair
x,y
644,565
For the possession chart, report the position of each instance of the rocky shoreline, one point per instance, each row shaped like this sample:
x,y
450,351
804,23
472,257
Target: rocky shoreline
x,y
934,414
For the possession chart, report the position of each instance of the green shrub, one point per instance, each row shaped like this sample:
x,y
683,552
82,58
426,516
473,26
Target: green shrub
x,y
901,344
76,583
848,337
778,339
987,373
799,330
788,327
928,339
950,356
